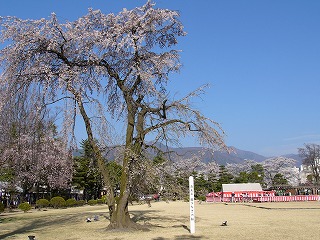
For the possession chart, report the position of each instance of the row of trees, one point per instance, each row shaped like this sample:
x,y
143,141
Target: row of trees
x,y
210,177
170,178
42,160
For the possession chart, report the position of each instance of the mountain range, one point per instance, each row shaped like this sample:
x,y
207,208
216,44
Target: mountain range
x,y
223,157
220,157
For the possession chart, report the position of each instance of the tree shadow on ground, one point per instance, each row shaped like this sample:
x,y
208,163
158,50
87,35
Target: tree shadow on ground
x,y
30,225
181,237
177,222
144,218
37,223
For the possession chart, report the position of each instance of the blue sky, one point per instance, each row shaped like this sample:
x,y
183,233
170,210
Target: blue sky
x,y
261,59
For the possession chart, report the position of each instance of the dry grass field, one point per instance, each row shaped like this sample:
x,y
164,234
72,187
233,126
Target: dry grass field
x,y
164,221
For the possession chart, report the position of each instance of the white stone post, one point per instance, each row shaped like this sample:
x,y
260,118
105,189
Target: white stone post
x,y
192,210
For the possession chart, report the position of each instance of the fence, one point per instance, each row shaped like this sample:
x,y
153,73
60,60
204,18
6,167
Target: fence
x,y
295,198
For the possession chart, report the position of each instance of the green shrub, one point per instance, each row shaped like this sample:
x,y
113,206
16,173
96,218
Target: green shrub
x,y
186,199
24,206
202,198
42,203
104,199
92,202
81,202
71,202
58,202
1,207
100,201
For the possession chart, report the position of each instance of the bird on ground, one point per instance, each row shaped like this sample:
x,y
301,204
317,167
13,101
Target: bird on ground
x,y
224,223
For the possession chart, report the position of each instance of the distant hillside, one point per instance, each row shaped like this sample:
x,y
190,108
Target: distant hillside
x,y
220,157
238,156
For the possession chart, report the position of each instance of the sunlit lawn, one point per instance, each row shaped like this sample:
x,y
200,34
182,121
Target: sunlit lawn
x,y
298,220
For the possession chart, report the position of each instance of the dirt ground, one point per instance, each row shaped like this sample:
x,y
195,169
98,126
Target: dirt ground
x,y
164,221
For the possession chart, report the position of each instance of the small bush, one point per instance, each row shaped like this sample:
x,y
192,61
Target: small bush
x,y
24,206
42,203
81,202
92,202
202,198
104,199
100,201
1,207
57,202
71,202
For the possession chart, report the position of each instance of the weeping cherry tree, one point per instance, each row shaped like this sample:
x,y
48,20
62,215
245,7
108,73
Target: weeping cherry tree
x,y
110,66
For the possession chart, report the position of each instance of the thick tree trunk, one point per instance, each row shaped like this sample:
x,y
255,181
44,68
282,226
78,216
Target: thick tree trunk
x,y
121,217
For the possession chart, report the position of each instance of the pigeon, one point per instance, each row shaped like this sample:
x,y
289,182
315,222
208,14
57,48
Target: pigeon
x,y
224,223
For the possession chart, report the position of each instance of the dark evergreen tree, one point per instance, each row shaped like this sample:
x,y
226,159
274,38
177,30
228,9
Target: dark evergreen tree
x,y
86,174
224,178
257,174
279,179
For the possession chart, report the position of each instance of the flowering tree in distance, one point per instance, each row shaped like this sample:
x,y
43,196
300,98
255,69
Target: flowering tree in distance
x,y
39,161
31,153
117,64
310,154
279,166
